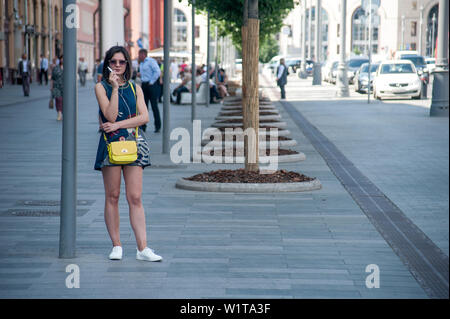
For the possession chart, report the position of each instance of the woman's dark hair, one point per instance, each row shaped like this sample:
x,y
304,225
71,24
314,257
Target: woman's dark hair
x,y
108,56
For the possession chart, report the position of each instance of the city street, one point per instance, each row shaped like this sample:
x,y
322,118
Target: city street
x,y
224,245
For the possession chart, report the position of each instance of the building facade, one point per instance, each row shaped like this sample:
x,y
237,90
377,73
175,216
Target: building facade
x,y
181,29
397,25
88,35
33,27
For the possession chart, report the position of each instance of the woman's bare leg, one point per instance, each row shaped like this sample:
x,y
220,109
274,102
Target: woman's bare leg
x,y
133,184
111,181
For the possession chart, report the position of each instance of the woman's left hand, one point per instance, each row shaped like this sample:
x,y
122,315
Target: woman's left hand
x,y
109,127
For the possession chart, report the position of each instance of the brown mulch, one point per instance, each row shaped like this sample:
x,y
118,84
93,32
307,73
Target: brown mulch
x,y
281,152
240,113
241,176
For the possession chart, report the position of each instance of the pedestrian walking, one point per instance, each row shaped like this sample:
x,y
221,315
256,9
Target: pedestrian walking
x,y
174,69
55,62
149,72
43,69
25,72
94,70
122,110
160,81
100,71
82,70
282,73
56,87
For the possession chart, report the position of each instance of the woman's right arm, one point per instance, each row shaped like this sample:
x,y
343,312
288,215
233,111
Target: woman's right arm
x,y
109,108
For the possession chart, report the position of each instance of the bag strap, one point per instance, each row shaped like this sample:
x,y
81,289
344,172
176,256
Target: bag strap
x,y
137,113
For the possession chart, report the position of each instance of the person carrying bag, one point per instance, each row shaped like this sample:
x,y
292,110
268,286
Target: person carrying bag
x,y
122,149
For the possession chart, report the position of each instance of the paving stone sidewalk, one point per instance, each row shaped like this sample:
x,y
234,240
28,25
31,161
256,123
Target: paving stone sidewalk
x,y
215,245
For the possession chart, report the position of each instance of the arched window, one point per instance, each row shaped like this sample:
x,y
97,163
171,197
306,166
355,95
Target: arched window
x,y
432,27
180,30
179,15
360,33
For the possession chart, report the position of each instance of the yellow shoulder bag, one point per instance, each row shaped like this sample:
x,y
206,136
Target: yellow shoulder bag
x,y
123,152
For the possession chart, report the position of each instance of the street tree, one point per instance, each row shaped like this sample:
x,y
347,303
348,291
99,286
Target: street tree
x,y
247,22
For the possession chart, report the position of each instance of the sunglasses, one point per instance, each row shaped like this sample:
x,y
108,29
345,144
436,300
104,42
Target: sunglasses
x,y
114,62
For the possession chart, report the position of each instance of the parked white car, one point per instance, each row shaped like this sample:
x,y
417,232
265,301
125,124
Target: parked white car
x,y
396,78
238,63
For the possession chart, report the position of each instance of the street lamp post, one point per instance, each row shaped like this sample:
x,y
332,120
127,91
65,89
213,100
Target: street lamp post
x,y
403,32
302,73
317,79
208,58
310,52
193,70
166,77
439,100
342,80
67,234
433,30
420,29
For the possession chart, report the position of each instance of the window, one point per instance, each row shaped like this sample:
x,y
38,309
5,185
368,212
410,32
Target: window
x,y
360,33
181,34
413,46
414,5
413,28
197,31
180,30
338,29
396,68
179,16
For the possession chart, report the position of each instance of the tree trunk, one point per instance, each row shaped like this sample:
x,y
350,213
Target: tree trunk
x,y
250,101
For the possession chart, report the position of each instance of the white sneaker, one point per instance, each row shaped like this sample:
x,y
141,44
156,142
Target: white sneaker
x,y
116,253
147,254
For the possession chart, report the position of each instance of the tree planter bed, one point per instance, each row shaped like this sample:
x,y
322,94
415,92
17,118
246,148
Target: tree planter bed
x,y
275,130
239,113
272,117
282,142
236,123
269,108
240,181
284,156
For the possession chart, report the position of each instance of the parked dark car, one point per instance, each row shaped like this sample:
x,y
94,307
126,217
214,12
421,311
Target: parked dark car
x,y
353,65
361,79
293,64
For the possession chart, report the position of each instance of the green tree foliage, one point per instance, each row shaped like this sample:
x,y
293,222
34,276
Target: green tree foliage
x,y
228,16
268,49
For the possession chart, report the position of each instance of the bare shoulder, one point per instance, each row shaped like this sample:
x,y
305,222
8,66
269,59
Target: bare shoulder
x,y
99,88
138,88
